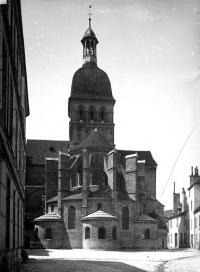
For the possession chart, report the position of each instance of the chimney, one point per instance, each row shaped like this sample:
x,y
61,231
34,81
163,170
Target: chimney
x,y
194,175
176,201
196,171
113,157
183,200
63,177
131,175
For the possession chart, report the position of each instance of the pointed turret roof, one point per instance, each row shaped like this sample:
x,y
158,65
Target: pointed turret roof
x,y
89,33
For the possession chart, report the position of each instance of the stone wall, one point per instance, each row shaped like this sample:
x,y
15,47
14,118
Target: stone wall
x,y
94,242
58,239
140,241
51,177
150,181
93,202
35,174
74,236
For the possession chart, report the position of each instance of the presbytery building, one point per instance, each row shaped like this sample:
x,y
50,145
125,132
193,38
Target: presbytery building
x,y
85,193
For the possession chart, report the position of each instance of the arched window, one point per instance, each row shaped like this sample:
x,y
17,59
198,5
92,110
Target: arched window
x,y
52,208
102,116
101,233
147,234
92,48
48,233
125,218
91,115
99,206
104,179
87,48
114,233
87,233
71,217
81,115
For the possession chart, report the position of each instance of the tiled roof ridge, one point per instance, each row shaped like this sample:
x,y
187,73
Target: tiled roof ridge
x,y
46,140
143,217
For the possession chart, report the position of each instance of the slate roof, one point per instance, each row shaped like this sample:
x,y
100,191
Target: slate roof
x,y
168,213
37,150
197,210
54,199
177,215
95,141
48,217
144,217
142,155
71,197
90,82
100,214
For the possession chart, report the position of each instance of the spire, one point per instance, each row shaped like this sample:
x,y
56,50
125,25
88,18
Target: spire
x,y
90,14
89,42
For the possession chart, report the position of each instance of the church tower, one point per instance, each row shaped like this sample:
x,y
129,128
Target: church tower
x,y
91,103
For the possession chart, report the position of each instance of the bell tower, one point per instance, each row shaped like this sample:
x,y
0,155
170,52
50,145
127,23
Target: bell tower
x,y
91,103
89,42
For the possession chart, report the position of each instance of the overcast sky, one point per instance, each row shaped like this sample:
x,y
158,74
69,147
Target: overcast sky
x,y
151,52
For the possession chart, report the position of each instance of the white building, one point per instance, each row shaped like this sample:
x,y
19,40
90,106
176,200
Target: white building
x,y
184,224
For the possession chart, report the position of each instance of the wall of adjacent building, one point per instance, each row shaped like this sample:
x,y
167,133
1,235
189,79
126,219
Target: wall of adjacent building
x,y
197,230
14,109
177,231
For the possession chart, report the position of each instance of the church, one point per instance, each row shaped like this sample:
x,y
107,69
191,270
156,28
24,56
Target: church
x,y
84,193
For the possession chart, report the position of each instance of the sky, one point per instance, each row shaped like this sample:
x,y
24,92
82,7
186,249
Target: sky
x,y
150,50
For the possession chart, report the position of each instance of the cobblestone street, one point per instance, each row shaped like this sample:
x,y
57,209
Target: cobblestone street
x,y
110,261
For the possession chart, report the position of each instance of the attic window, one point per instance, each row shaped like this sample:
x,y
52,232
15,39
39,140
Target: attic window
x,y
52,149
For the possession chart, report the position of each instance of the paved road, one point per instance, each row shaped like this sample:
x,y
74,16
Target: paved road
x,y
112,261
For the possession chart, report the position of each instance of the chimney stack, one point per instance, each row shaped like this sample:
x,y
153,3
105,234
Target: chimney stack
x,y
176,201
194,175
183,200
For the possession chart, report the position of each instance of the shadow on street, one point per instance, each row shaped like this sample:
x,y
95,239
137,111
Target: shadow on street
x,y
61,265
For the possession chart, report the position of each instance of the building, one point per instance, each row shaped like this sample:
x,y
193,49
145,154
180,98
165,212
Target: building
x,y
193,208
95,196
14,108
184,223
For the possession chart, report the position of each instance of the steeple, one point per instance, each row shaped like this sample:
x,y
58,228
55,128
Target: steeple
x,y
91,103
89,42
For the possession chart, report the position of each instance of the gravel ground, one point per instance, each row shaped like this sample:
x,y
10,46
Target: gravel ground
x,y
190,264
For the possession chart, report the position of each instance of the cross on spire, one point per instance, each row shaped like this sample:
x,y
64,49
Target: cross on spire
x,y
90,14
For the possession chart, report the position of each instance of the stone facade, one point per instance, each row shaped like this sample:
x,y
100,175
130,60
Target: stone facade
x,y
95,196
14,108
112,204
